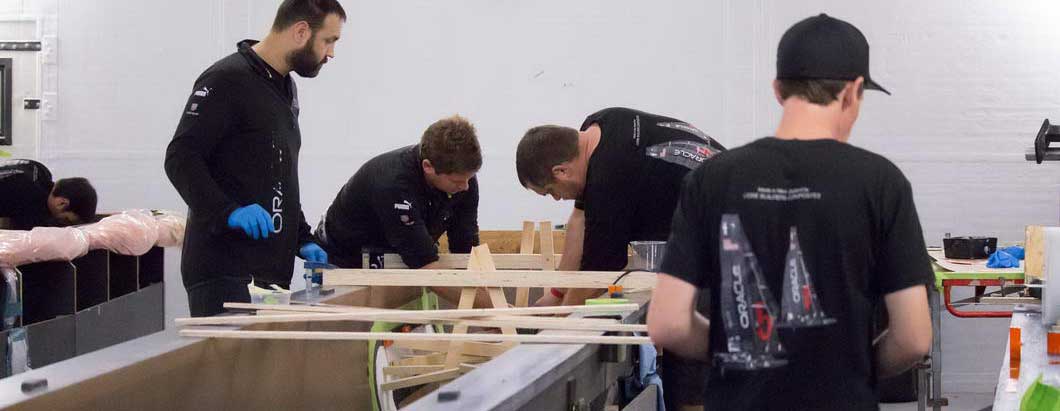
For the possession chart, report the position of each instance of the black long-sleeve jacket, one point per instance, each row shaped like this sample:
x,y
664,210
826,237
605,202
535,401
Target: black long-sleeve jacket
x,y
237,144
24,189
388,205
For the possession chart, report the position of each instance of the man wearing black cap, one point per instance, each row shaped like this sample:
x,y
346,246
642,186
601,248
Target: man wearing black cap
x,y
858,231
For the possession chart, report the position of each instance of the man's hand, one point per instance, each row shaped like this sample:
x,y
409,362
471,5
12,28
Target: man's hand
x,y
313,253
548,300
253,220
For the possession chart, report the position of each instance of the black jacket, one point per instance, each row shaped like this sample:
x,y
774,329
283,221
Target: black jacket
x,y
237,144
388,205
24,189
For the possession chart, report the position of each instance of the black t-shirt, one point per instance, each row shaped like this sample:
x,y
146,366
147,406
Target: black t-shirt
x,y
633,181
24,189
388,205
860,237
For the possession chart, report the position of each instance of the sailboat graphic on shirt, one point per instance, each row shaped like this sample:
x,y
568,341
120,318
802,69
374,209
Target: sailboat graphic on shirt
x,y
799,306
748,308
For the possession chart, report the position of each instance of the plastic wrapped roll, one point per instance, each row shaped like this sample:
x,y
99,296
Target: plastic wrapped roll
x,y
131,232
170,228
41,244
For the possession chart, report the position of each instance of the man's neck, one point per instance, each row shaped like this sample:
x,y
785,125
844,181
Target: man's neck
x,y
273,55
803,120
587,142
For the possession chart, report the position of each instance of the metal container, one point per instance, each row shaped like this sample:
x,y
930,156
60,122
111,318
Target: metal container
x,y
647,255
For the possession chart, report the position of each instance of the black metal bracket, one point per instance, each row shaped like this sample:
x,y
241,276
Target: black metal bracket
x,y
1046,135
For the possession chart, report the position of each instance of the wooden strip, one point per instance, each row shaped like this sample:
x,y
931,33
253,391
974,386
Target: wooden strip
x,y
302,308
466,368
522,294
443,375
548,251
478,349
472,278
500,301
287,309
459,261
1035,258
366,336
526,244
1009,300
467,300
529,323
437,359
402,371
409,316
496,295
429,359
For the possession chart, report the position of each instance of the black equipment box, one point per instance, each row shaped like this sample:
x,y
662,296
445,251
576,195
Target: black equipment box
x,y
969,248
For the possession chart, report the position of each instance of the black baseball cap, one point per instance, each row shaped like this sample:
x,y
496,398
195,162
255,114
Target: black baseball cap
x,y
825,48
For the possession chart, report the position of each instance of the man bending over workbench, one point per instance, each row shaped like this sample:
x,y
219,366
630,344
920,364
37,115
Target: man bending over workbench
x,y
850,212
623,169
402,201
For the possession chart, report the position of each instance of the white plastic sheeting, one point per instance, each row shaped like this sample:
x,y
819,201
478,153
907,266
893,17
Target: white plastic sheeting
x,y
131,232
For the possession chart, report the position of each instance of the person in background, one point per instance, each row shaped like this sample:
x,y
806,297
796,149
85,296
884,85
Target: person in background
x,y
29,198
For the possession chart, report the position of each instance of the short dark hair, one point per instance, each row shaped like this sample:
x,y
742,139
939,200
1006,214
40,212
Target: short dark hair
x,y
542,148
311,11
81,194
817,91
451,146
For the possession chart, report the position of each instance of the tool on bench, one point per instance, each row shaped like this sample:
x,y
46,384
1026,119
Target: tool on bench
x,y
314,279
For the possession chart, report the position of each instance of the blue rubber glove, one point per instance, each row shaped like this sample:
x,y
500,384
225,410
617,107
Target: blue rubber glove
x,y
313,253
253,220
1002,259
1015,251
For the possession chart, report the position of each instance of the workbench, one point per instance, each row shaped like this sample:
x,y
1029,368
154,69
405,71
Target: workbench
x,y
1033,360
165,371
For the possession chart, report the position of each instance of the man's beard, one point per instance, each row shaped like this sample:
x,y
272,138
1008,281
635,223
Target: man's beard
x,y
304,62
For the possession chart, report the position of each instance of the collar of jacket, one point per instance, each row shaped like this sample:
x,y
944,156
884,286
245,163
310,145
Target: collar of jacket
x,y
259,64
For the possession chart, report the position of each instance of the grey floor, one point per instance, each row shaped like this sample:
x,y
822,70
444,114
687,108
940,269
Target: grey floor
x,y
971,348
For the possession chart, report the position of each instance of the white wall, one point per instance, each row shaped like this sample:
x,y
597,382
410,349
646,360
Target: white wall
x,y
972,81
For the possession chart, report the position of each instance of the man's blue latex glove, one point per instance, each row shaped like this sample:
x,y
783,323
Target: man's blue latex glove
x,y
313,253
1015,251
253,220
1002,259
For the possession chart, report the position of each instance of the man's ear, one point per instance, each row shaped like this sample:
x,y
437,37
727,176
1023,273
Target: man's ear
x,y
63,203
427,166
776,91
850,93
302,33
560,170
